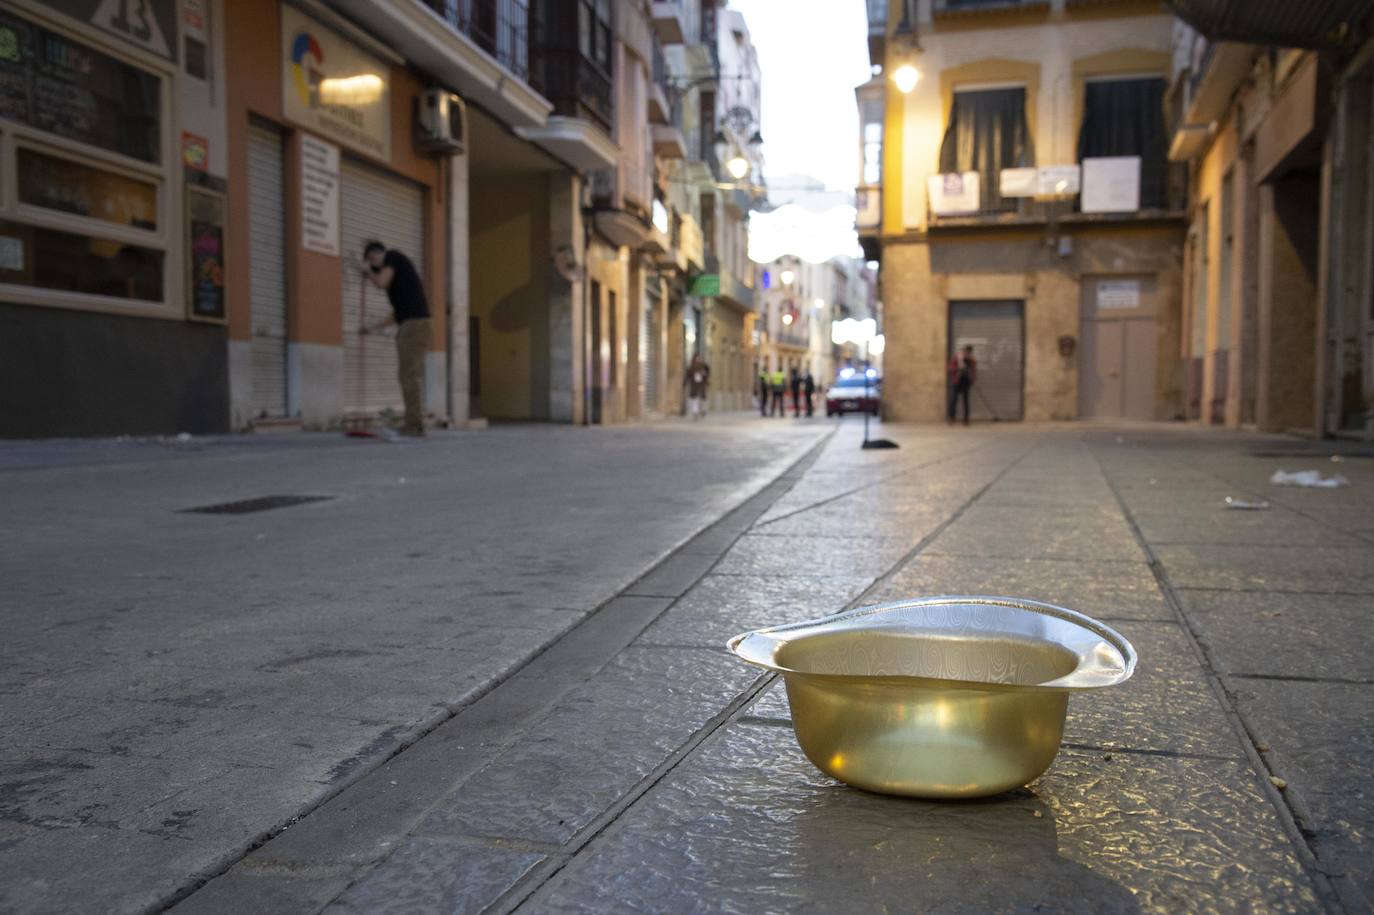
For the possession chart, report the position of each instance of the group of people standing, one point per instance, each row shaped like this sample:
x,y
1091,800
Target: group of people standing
x,y
773,388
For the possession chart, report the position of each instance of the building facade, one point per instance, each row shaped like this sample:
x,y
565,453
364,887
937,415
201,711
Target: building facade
x,y
1274,122
222,165
1014,184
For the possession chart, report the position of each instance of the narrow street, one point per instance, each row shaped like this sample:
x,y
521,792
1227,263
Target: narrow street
x,y
481,675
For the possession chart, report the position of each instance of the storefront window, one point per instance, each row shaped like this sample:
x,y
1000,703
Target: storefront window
x,y
49,259
67,88
81,190
89,213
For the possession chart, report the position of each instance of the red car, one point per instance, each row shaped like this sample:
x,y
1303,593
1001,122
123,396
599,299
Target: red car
x,y
854,394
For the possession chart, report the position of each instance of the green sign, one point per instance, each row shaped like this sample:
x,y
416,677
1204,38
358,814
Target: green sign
x,y
706,284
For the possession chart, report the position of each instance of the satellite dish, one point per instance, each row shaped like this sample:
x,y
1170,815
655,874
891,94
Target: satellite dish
x,y
565,262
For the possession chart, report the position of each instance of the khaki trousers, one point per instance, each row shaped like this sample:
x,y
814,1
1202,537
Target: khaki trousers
x,y
412,344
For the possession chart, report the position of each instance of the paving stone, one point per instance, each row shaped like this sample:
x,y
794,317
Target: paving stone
x,y
812,557
237,892
1011,531
674,576
594,746
722,606
748,825
1217,524
1103,590
1270,568
1166,706
1322,735
433,876
1286,635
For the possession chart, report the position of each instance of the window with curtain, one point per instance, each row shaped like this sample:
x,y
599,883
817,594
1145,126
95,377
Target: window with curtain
x,y
988,132
1125,117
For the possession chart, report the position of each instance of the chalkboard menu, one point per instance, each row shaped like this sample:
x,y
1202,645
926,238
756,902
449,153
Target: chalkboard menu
x,y
67,88
205,225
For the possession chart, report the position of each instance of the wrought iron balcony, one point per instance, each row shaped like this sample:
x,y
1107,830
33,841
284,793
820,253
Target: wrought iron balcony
x,y
499,27
957,7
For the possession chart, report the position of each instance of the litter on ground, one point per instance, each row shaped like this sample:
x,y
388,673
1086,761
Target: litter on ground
x,y
1311,478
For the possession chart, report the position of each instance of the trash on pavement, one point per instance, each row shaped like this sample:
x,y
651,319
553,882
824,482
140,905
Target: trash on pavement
x,y
941,697
1245,505
1309,478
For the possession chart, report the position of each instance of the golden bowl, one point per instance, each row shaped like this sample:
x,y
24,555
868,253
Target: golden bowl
x,y
942,697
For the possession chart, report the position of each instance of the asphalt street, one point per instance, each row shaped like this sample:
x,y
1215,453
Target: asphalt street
x,y
487,673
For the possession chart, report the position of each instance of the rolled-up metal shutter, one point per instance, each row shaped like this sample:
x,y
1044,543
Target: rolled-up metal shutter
x,y
378,206
996,331
267,271
650,352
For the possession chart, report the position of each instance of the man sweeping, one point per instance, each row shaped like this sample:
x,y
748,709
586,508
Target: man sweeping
x,y
394,272
963,375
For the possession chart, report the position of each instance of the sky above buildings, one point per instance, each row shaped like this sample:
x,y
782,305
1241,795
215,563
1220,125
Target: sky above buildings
x,y
812,54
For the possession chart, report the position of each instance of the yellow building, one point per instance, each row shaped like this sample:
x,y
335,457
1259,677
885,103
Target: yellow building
x,y
1017,192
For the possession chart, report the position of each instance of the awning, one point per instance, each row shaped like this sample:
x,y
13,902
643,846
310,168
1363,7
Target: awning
x,y
1318,24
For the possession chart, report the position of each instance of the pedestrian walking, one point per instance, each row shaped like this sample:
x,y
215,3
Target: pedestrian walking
x,y
778,386
809,389
796,393
764,389
697,380
963,375
393,272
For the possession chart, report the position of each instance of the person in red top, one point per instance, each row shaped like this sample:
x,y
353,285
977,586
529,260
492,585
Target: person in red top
x,y
963,374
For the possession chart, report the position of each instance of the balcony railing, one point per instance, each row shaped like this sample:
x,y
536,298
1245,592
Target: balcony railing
x,y
499,27
986,6
577,87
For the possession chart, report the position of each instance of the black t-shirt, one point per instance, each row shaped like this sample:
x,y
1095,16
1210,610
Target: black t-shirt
x,y
406,292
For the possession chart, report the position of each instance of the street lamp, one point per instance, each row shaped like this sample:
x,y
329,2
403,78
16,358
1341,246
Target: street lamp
x,y
906,77
738,167
787,276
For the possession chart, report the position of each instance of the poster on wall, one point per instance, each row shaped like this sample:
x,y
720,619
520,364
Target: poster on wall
x,y
954,193
319,196
205,254
334,88
1111,184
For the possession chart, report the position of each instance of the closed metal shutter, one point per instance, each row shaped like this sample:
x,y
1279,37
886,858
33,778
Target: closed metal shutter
x,y
996,331
267,271
650,353
391,210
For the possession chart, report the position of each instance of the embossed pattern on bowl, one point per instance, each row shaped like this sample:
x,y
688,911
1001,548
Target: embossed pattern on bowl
x,y
942,697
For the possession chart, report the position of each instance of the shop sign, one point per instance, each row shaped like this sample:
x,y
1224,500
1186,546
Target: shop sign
x,y
706,284
1118,294
956,192
1111,184
319,196
333,87
205,212
149,24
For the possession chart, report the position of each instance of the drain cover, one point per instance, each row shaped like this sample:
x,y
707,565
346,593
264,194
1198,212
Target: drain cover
x,y
260,504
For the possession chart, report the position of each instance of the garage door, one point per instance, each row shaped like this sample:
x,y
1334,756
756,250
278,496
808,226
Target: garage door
x,y
374,206
996,330
267,271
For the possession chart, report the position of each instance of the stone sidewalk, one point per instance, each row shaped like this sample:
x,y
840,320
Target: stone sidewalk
x,y
637,767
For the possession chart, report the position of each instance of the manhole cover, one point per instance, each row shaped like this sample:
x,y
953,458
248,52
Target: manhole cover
x,y
260,504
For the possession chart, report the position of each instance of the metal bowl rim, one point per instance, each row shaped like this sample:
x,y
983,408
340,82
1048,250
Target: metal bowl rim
x,y
1082,620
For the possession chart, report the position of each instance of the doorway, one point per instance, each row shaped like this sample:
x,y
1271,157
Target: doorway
x,y
1119,342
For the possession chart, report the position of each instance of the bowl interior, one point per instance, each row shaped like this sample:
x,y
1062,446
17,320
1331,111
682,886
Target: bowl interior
x,y
984,657
1006,643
